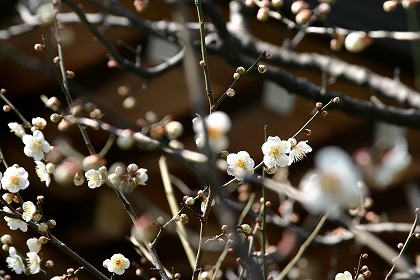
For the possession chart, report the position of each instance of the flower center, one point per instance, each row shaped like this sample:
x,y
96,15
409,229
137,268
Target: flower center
x,y
275,151
214,132
14,180
37,145
330,183
240,163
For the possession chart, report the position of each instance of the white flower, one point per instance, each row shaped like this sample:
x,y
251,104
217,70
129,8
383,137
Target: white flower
x,y
35,145
299,150
39,123
14,261
240,165
14,179
17,129
29,210
275,152
95,178
344,276
14,224
218,124
141,176
117,264
335,181
41,171
34,245
34,262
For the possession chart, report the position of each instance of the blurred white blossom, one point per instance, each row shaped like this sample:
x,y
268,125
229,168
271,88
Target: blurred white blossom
x,y
334,181
218,124
240,165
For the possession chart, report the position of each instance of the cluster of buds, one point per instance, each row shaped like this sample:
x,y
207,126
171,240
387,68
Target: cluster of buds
x,y
129,181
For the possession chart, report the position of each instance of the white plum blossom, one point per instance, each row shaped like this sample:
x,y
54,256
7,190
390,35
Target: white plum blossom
x,y
35,145
41,171
240,165
13,223
14,179
218,124
17,129
333,182
344,276
141,176
34,262
29,210
14,261
34,245
39,123
298,150
276,152
117,264
95,178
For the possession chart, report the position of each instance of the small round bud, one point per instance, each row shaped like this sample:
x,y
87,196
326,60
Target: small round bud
x,y
112,63
336,100
298,6
268,55
56,60
224,228
39,47
390,6
5,247
93,162
40,199
249,3
43,240
49,264
56,117
318,105
367,274
7,108
303,16
2,91
236,76
262,68
417,211
174,129
417,235
132,168
324,9
78,178
230,92
6,239
356,41
324,113
262,14
177,275
307,131
408,4
268,203
400,245
202,64
70,74
176,218
240,70
51,223
37,217
246,228
189,201
42,227
184,218
8,197
160,220
277,3
365,256
141,5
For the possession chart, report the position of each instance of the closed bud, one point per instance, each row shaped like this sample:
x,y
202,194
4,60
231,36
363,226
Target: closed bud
x,y
42,227
70,74
78,178
277,3
336,100
174,129
189,201
230,92
240,70
318,105
303,16
184,218
202,64
356,41
51,224
262,14
249,3
298,6
39,47
262,68
236,76
6,108
49,264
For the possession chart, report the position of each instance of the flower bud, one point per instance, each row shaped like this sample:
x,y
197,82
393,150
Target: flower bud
x,y
303,16
230,92
39,47
236,76
184,218
262,68
240,70
277,3
262,14
298,6
174,129
356,41
70,74
390,6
